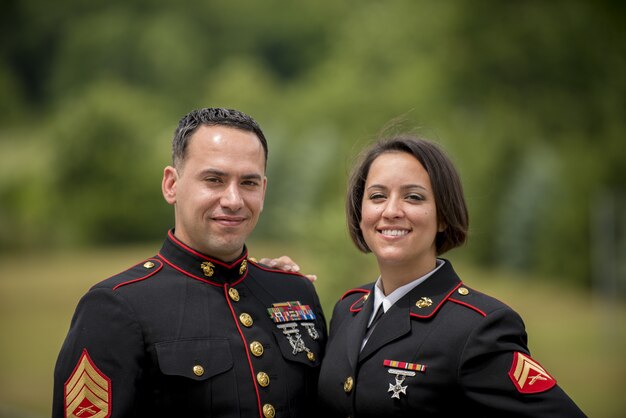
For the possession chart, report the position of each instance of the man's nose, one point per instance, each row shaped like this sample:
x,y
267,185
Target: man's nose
x,y
232,198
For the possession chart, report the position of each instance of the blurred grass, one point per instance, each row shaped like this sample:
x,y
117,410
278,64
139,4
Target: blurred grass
x,y
580,339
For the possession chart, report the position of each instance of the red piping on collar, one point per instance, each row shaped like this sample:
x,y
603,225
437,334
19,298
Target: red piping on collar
x,y
467,305
151,273
439,305
194,252
186,273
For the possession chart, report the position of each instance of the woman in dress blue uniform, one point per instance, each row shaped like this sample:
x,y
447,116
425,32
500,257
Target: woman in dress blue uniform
x,y
418,341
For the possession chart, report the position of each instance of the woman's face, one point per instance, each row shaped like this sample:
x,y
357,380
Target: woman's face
x,y
399,215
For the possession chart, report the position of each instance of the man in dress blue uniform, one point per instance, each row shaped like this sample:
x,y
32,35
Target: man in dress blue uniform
x,y
199,329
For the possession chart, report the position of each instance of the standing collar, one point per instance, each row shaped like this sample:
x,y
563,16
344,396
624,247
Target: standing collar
x,y
399,293
200,266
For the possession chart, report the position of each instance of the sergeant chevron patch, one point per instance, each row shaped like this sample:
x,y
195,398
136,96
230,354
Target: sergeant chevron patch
x,y
528,376
87,391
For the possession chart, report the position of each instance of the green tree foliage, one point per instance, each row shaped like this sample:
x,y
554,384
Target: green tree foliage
x,y
527,97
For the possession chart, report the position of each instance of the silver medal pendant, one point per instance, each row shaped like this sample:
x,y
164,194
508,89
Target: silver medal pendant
x,y
310,328
293,336
397,388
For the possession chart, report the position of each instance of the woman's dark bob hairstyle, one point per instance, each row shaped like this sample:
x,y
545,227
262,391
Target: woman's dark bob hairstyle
x,y
445,181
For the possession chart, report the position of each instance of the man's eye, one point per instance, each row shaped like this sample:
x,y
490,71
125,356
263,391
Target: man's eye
x,y
250,183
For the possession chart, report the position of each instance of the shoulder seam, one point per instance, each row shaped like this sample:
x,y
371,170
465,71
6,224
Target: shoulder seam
x,y
270,270
153,271
351,291
467,305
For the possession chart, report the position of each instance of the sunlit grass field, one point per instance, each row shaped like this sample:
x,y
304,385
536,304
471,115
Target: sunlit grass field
x,y
579,338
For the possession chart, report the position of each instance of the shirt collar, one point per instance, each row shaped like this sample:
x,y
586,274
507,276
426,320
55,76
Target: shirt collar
x,y
396,295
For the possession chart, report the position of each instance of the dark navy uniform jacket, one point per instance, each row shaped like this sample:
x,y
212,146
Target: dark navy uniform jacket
x,y
184,335
443,350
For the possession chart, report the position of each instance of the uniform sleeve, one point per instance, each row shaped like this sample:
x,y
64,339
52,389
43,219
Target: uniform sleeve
x,y
98,368
498,374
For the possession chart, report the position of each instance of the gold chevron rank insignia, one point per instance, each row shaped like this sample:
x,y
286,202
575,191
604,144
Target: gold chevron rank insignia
x,y
528,376
87,391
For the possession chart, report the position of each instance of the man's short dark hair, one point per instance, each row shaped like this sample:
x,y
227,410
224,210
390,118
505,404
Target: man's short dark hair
x,y
211,116
444,178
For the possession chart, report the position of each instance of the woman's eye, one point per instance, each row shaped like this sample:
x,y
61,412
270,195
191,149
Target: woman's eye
x,y
415,197
376,196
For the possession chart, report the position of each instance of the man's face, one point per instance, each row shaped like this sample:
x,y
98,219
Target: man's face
x,y
218,190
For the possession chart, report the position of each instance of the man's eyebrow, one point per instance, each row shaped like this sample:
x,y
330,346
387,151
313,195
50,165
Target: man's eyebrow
x,y
220,173
253,176
213,171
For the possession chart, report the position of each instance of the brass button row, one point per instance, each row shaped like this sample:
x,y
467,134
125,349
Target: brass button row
x,y
257,349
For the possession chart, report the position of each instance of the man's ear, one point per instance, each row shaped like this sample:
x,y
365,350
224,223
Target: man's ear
x,y
168,186
264,190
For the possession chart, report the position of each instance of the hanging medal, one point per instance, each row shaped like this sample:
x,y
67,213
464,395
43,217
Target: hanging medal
x,y
310,328
401,370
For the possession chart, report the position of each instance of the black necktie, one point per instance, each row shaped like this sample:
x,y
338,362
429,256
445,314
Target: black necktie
x,y
377,316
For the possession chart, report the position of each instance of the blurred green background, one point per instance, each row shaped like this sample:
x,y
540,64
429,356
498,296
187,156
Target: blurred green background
x,y
527,97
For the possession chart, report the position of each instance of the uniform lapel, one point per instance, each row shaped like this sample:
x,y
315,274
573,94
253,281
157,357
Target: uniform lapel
x,y
356,330
396,322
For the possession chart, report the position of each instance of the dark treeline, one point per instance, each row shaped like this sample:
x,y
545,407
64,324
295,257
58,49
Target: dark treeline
x,y
528,97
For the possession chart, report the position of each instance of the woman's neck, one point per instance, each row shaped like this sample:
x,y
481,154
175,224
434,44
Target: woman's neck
x,y
393,276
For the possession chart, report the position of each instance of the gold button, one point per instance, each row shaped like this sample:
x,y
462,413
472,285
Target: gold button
x,y
347,385
256,348
463,291
269,411
246,319
148,264
263,379
234,295
310,356
198,370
